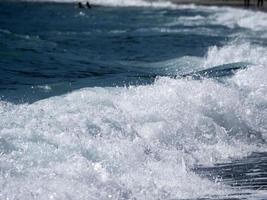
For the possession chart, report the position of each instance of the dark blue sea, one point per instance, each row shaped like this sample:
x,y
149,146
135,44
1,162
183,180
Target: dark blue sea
x,y
132,100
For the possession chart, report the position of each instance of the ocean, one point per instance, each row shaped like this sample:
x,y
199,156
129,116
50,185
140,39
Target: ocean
x,y
132,100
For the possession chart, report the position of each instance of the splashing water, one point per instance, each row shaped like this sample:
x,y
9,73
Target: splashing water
x,y
81,137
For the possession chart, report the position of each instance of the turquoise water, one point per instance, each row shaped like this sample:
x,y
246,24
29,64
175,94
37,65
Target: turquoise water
x,y
137,101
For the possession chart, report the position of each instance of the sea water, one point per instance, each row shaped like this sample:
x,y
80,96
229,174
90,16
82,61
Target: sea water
x,y
102,103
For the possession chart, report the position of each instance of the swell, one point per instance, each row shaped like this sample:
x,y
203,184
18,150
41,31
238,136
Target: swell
x,y
114,142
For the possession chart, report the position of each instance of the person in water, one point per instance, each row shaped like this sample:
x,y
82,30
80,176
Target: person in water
x,y
88,5
247,2
80,5
260,3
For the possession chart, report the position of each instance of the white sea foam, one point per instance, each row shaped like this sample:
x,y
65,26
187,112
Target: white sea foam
x,y
156,4
113,143
236,52
110,143
254,21
118,3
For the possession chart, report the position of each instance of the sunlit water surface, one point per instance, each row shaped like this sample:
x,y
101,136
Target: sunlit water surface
x,y
113,102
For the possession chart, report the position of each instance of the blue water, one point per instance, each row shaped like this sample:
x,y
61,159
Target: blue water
x,y
151,101
50,44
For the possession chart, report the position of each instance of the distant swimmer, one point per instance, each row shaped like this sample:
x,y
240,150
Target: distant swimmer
x,y
247,2
260,3
88,5
80,5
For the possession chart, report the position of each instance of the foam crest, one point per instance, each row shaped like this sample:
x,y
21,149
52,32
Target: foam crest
x,y
235,17
119,3
254,20
236,51
156,4
111,143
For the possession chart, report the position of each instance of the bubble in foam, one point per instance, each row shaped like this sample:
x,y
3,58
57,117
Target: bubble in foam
x,y
236,52
114,142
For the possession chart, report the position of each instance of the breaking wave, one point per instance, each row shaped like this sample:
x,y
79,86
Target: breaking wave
x,y
111,143
119,3
142,142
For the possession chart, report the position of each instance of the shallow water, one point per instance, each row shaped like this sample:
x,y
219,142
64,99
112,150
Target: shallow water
x,y
136,101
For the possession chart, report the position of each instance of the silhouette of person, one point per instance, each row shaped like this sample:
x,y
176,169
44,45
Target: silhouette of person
x,y
80,5
247,2
88,5
260,3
